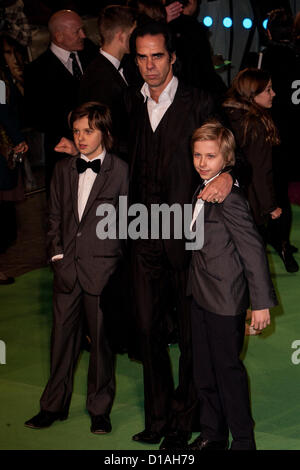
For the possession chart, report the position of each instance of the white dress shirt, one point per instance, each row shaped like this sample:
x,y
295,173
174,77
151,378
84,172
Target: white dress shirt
x,y
200,203
115,62
64,57
85,184
156,110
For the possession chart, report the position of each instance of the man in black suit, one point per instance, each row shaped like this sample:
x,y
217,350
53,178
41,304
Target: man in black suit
x,y
103,79
83,261
163,116
52,81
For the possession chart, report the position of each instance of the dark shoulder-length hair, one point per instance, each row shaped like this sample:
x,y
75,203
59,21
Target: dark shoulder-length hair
x,y
247,84
99,117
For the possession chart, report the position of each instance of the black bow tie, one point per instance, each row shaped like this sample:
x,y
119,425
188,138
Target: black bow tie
x,y
82,165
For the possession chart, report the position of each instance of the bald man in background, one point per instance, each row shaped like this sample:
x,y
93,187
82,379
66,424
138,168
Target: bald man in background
x,y
52,82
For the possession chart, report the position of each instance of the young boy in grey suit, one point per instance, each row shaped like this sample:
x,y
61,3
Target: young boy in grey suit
x,y
230,269
82,263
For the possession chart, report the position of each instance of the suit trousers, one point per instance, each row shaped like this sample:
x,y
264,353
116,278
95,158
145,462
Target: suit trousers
x,y
221,378
68,311
154,279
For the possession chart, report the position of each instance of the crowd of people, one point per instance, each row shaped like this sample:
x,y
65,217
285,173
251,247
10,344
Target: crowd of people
x,y
144,117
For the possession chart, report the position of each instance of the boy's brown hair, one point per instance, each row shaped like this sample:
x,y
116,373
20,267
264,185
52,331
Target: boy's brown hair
x,y
99,117
112,18
214,130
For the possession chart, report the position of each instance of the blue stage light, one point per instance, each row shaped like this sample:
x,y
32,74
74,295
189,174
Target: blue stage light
x,y
247,23
227,22
208,21
265,23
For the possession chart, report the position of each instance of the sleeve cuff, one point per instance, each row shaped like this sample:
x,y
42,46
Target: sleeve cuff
x,y
57,257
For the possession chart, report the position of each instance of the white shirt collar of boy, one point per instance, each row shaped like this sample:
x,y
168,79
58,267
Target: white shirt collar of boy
x,y
64,57
156,111
200,203
114,61
85,183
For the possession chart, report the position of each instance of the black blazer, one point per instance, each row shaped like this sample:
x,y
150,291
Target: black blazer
x,y
232,264
51,91
86,258
102,82
189,110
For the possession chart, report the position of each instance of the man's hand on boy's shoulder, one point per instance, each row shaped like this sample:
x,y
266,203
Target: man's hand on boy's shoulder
x,y
218,189
66,146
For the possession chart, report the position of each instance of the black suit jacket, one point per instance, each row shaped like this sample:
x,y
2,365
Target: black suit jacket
x,y
102,82
232,264
51,92
87,258
189,110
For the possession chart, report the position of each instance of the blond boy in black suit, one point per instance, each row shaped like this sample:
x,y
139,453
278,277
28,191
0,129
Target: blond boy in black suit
x,y
230,269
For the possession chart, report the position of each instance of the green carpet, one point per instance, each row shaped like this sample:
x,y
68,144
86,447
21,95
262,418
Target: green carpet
x,y
25,325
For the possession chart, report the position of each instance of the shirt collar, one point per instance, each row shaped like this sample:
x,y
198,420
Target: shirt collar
x,y
101,156
62,54
205,182
113,60
167,94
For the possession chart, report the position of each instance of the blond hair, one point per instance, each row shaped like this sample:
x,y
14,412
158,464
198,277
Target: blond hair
x,y
214,130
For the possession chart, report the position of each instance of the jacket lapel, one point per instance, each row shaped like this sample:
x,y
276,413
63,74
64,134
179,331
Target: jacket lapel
x,y
113,72
199,188
139,111
179,113
74,178
59,66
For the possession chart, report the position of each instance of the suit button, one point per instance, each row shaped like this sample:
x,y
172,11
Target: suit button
x,y
77,258
78,234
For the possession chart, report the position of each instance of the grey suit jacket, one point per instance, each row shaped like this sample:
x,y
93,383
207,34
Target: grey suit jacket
x,y
232,267
87,259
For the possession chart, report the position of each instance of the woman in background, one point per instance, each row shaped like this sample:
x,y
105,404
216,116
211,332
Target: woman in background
x,y
247,107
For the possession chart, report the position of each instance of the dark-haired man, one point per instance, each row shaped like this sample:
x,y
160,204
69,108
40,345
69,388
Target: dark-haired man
x,y
163,115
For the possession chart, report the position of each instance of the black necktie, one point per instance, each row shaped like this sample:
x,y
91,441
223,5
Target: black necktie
x,y
77,74
82,165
